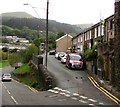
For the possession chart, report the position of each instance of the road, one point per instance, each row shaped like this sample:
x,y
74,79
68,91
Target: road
x,y
73,88
15,93
77,81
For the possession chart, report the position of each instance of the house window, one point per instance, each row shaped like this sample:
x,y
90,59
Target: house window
x,y
81,48
99,30
85,36
74,42
90,34
102,30
81,39
111,24
89,45
95,32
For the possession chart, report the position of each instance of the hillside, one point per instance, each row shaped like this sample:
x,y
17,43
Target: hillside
x,y
84,26
21,19
17,15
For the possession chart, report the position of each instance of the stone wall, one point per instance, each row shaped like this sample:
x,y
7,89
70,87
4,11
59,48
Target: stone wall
x,y
117,42
43,75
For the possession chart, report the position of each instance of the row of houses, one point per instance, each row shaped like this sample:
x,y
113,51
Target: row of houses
x,y
15,39
102,32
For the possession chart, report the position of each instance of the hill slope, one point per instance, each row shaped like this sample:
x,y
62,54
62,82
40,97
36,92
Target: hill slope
x,y
17,15
20,19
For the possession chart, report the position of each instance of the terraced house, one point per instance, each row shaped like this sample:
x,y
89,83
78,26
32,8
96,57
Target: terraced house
x,y
102,36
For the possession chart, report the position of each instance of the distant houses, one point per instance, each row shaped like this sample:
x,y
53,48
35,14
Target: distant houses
x,y
103,33
15,42
15,39
63,43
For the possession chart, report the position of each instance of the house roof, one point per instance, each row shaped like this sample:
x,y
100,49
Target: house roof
x,y
63,37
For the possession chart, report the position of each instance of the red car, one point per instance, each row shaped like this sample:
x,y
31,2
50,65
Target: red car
x,y
74,61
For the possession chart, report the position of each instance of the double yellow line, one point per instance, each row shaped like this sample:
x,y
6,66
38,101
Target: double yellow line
x,y
112,97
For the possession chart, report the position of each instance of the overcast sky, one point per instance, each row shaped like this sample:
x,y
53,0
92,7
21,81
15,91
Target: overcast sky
x,y
65,11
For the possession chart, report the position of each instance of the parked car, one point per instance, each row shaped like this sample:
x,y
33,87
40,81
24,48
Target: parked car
x,y
52,52
56,55
63,59
60,55
74,61
6,77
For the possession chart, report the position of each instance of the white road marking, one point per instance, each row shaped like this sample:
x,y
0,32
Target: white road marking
x,y
57,88
14,100
75,94
91,104
67,95
67,91
8,92
83,101
56,92
83,97
74,98
4,86
92,100
53,91
61,93
101,103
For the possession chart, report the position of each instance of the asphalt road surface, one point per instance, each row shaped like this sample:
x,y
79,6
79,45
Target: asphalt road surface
x,y
73,88
77,82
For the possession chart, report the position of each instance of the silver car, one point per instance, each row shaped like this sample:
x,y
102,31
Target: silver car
x,y
63,59
6,77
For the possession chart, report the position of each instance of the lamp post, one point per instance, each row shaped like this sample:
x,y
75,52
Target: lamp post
x,y
38,25
32,8
46,41
46,33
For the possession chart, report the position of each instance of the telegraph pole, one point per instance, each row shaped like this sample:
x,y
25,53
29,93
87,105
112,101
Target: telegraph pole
x,y
46,33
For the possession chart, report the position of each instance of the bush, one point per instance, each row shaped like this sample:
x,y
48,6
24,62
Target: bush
x,y
91,53
88,54
27,55
34,84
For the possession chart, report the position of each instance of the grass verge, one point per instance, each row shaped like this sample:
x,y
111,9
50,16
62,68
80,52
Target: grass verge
x,y
22,70
25,74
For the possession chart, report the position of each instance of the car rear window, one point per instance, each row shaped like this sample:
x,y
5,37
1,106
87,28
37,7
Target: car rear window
x,y
7,75
76,58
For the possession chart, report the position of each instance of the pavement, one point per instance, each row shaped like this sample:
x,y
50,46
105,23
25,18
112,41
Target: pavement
x,y
106,85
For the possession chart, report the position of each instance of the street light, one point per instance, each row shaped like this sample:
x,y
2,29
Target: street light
x,y
32,8
46,43
38,17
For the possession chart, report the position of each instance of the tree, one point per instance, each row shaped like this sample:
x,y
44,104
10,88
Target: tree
x,y
60,34
27,55
14,58
3,55
6,30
